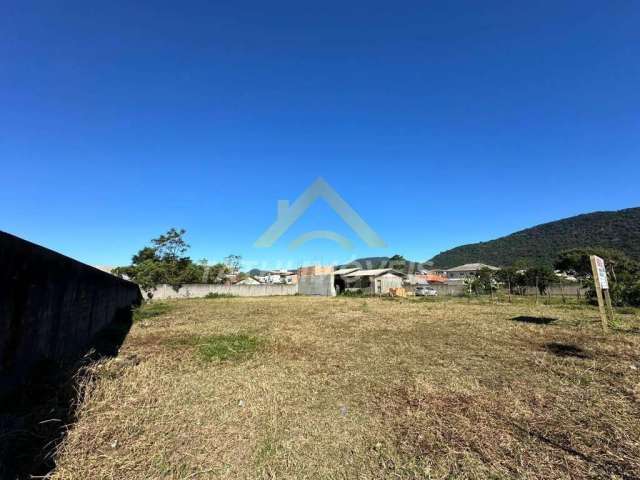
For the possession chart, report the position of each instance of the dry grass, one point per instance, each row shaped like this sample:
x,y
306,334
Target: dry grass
x,y
364,388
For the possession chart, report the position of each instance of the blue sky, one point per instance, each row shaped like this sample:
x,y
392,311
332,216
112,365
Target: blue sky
x,y
440,123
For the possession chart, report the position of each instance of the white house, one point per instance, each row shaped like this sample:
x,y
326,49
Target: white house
x,y
377,281
459,274
281,276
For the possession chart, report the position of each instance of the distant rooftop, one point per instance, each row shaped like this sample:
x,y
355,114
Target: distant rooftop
x,y
344,271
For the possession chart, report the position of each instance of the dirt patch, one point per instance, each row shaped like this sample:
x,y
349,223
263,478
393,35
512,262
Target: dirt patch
x,y
566,350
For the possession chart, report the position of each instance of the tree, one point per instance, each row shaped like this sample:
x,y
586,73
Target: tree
x,y
482,282
539,277
631,294
619,266
215,273
469,285
171,245
485,280
147,253
162,263
166,262
513,278
233,263
397,262
623,272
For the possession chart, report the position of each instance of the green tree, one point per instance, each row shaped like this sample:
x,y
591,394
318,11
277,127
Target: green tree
x,y
147,253
540,277
623,272
233,263
631,294
397,262
619,266
163,263
485,281
215,273
513,278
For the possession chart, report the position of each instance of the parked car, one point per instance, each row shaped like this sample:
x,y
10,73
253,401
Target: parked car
x,y
426,291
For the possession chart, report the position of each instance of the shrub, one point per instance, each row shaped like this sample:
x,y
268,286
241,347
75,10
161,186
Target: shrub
x,y
218,295
354,293
631,294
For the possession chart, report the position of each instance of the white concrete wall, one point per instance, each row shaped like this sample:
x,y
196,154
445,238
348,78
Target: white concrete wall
x,y
198,290
554,290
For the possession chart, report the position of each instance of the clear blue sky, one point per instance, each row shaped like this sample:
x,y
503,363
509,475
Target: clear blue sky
x,y
440,123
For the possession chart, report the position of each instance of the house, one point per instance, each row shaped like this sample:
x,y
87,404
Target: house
x,y
377,281
459,274
345,271
434,278
339,283
425,279
416,279
281,276
230,278
566,276
433,271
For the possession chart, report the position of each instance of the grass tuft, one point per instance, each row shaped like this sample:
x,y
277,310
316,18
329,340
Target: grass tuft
x,y
228,347
235,346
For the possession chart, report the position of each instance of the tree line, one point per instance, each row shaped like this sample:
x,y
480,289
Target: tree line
x,y
165,262
623,273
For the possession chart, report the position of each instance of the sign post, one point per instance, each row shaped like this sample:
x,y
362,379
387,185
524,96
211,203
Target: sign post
x,y
602,290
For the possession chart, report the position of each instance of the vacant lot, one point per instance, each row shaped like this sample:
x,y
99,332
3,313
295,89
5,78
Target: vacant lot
x,y
291,388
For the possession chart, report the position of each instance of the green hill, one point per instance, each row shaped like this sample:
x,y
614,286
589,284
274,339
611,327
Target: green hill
x,y
541,244
397,262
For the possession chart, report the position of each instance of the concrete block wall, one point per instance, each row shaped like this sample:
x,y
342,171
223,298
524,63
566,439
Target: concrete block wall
x,y
458,290
51,306
449,290
199,290
321,285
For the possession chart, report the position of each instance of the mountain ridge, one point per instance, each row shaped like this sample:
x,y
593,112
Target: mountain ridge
x,y
541,244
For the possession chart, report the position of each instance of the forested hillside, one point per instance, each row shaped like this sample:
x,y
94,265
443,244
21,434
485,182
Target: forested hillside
x,y
541,244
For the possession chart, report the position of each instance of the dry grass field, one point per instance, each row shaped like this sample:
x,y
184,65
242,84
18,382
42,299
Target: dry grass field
x,y
336,388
